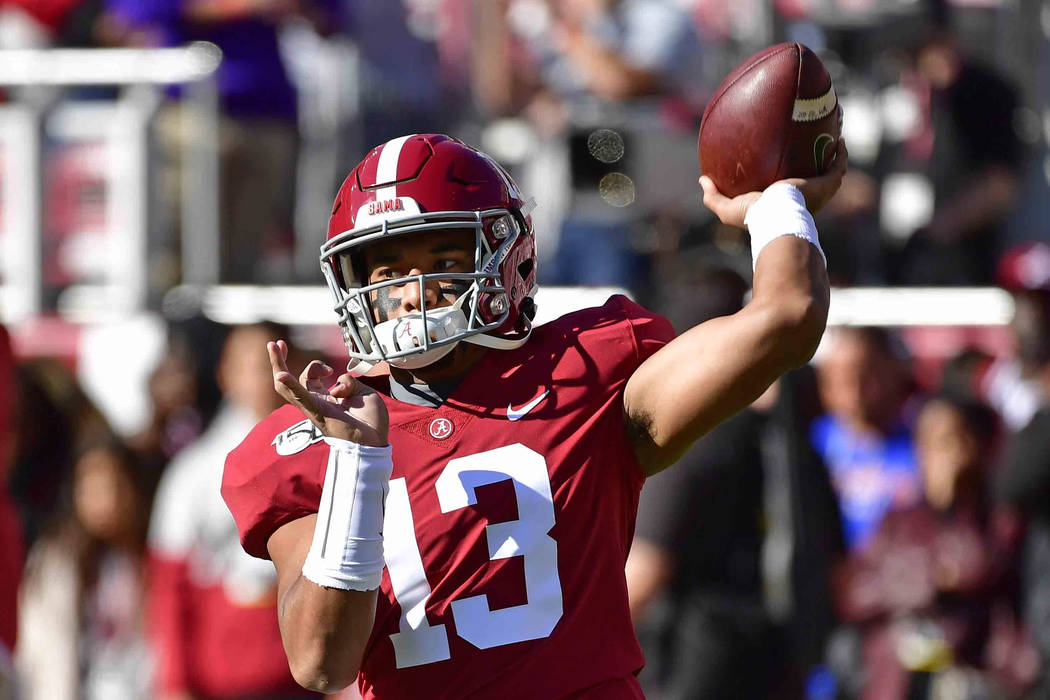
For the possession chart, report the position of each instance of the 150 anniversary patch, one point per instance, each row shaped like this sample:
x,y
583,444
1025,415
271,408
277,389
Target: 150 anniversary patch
x,y
297,438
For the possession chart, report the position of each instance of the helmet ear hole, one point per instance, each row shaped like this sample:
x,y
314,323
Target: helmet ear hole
x,y
525,268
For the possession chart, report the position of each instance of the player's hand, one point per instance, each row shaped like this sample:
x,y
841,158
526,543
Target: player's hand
x,y
817,191
350,410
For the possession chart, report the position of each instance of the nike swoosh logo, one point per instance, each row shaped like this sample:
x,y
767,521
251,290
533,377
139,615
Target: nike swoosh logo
x,y
518,414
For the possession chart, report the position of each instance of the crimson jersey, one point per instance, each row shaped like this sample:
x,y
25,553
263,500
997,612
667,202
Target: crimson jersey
x,y
508,521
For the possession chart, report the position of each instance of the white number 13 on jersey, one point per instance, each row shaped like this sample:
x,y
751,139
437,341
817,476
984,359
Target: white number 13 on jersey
x,y
419,642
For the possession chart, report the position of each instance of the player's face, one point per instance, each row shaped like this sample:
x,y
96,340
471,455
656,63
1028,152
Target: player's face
x,y
418,254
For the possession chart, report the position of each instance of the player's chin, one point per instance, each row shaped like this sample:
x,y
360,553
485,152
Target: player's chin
x,y
449,360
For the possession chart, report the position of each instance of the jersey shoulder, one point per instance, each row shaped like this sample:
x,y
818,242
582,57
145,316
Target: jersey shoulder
x,y
619,334
274,476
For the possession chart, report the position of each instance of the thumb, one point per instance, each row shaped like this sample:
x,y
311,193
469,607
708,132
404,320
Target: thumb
x,y
345,386
711,193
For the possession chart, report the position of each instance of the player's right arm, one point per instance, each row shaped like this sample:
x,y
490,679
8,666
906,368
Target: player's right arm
x,y
326,600
717,368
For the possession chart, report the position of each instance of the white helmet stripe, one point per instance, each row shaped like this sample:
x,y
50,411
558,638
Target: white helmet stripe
x,y
386,171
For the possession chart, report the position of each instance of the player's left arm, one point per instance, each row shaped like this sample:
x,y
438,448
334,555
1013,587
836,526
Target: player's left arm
x,y
717,368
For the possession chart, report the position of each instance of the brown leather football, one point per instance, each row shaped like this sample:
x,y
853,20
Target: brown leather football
x,y
774,116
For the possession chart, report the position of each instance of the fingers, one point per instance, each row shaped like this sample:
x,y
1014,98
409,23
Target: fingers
x,y
278,352
367,414
818,190
311,376
713,199
729,211
345,386
296,394
828,184
288,387
841,161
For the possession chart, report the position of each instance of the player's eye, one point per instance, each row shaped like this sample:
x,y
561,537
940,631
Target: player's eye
x,y
446,264
387,273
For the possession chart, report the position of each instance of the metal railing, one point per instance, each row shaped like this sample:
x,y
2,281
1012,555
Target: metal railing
x,y
36,79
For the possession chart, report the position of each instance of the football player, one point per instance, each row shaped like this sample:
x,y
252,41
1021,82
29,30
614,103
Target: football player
x,y
455,522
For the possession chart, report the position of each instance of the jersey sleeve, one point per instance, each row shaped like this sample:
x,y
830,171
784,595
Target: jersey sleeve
x,y
274,477
649,331
609,342
614,339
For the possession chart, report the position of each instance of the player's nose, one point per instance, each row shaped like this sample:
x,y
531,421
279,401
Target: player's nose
x,y
412,299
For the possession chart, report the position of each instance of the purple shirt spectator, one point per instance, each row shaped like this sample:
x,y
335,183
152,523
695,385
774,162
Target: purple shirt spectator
x,y
252,80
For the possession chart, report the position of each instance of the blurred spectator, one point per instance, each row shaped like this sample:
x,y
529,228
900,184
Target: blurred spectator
x,y
53,417
82,633
849,232
213,607
572,67
184,395
971,153
1024,483
866,436
1013,385
930,591
734,545
403,90
258,136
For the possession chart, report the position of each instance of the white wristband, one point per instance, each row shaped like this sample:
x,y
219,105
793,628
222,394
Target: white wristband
x,y
780,211
347,549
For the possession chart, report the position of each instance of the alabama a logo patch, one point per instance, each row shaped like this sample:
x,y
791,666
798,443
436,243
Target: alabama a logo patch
x,y
441,428
297,438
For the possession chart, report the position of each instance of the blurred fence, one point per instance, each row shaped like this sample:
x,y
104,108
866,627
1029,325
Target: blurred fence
x,y
76,189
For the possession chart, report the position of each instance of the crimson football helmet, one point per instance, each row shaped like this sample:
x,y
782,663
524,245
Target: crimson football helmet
x,y
430,182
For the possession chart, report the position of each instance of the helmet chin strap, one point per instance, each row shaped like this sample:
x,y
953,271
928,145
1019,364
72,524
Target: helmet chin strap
x,y
491,341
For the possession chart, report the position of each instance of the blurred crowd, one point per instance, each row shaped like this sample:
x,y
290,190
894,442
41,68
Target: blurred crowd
x,y
594,105
864,530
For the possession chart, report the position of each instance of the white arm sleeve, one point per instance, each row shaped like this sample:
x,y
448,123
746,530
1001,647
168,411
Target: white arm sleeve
x,y
780,211
347,548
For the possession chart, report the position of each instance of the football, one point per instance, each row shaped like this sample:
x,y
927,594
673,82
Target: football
x,y
774,116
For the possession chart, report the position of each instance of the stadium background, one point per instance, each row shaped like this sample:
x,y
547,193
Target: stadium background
x,y
149,200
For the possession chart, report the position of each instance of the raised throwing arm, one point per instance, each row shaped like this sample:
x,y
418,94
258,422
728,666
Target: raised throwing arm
x,y
717,368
